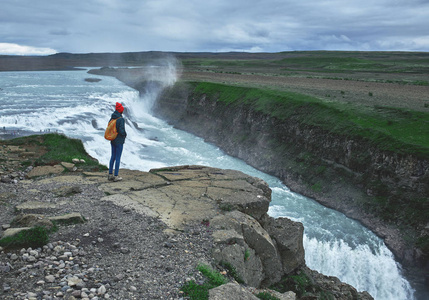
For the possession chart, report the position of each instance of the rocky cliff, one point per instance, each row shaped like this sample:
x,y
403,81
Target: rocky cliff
x,y
385,190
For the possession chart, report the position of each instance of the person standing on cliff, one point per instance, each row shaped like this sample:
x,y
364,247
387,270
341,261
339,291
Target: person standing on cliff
x,y
117,144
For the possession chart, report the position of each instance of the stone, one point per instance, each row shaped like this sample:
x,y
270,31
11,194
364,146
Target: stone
x,y
5,268
250,270
31,295
73,281
72,218
125,250
50,278
14,231
285,296
45,170
32,220
289,239
14,175
68,166
34,205
254,241
231,291
76,293
101,290
6,179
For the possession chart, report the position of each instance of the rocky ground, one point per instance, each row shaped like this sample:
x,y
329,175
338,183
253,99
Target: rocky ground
x,y
141,238
117,253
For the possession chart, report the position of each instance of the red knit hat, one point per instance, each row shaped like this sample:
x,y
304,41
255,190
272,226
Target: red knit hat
x,y
119,107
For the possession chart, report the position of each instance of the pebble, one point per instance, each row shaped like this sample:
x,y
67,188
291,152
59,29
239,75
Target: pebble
x,y
101,290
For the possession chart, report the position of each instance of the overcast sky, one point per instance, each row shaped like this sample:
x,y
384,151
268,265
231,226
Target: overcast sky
x,y
40,27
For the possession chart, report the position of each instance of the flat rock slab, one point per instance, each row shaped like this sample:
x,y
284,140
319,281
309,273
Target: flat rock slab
x,y
67,179
45,170
34,205
72,218
185,195
14,231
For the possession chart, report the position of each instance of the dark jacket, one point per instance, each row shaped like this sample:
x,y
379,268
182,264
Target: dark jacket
x,y
120,127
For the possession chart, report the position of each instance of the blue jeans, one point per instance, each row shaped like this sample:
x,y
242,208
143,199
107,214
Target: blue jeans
x,y
116,157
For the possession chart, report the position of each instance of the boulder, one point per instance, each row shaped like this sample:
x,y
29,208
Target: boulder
x,y
288,236
340,290
66,191
249,240
32,220
244,267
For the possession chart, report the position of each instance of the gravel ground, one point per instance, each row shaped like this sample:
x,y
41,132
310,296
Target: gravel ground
x,y
116,254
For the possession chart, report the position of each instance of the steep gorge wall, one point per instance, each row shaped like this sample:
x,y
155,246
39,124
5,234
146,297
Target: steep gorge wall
x,y
344,172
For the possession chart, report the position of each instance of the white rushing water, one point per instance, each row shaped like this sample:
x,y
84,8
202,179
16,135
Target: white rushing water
x,y
65,102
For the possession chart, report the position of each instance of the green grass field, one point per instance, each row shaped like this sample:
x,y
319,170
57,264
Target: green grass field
x,y
389,128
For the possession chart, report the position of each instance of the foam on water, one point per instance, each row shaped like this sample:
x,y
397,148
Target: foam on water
x,y
358,266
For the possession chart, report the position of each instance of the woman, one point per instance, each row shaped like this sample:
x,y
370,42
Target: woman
x,y
118,143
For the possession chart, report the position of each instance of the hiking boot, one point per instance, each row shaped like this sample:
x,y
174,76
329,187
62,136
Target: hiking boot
x,y
117,178
110,177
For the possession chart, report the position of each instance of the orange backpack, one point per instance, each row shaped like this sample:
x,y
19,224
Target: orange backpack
x,y
111,133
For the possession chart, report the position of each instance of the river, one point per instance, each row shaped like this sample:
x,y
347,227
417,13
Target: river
x,y
62,101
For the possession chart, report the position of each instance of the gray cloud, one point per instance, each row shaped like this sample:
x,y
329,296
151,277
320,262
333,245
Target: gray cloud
x,y
240,25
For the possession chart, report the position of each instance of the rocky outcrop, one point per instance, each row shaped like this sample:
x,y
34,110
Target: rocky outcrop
x,y
287,235
242,243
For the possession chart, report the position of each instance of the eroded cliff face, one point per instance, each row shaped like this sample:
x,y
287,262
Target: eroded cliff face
x,y
382,189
